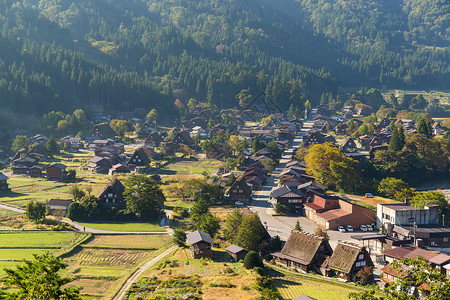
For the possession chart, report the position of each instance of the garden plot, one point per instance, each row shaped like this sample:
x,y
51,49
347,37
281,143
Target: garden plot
x,y
104,262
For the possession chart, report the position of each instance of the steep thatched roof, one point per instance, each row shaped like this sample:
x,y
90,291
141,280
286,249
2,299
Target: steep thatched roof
x,y
344,256
303,246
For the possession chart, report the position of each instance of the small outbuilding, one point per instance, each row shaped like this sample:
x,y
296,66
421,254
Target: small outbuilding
x,y
36,171
58,205
236,252
4,182
200,244
56,171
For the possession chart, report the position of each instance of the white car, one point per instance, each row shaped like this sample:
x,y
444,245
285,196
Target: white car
x,y
369,195
239,203
369,227
349,228
363,227
341,228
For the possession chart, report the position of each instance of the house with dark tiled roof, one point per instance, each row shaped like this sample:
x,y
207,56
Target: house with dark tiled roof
x,y
239,191
289,196
56,171
36,171
365,140
112,194
200,244
118,169
305,252
437,128
236,252
347,259
58,205
99,165
4,183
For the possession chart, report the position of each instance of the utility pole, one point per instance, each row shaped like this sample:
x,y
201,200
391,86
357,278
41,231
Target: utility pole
x,y
414,233
443,220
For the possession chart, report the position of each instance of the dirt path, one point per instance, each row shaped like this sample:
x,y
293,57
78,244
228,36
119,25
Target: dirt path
x,y
139,272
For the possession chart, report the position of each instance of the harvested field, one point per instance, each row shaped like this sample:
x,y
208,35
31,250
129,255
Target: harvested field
x,y
103,257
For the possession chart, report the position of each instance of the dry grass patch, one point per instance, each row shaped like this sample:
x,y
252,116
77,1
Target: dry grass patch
x,y
150,242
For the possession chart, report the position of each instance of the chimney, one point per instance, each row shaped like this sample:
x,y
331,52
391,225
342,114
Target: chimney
x,y
406,201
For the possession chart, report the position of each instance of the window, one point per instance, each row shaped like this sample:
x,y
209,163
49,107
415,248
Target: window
x,y
445,239
361,256
110,195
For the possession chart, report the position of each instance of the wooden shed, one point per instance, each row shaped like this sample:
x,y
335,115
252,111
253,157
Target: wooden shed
x,y
236,252
200,244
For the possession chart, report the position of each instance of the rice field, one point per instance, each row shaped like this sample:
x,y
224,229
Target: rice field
x,y
39,239
102,263
291,288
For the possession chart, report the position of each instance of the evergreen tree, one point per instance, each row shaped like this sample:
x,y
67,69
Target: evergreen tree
x,y
395,144
297,226
198,210
51,145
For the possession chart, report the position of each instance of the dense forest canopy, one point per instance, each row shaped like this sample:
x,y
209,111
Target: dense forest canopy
x,y
63,54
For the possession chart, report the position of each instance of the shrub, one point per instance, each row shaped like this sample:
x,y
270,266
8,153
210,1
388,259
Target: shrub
x,y
252,260
179,237
259,271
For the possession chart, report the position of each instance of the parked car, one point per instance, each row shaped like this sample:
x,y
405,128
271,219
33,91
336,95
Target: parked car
x,y
363,227
349,228
239,203
341,228
369,195
369,227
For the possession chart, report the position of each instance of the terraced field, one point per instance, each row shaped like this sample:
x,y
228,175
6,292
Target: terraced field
x,y
104,262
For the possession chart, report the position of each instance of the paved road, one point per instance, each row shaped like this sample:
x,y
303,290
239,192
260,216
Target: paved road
x,y
80,227
138,273
260,202
283,225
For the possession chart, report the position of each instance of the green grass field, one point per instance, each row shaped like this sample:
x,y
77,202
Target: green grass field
x,y
124,226
190,166
39,239
291,288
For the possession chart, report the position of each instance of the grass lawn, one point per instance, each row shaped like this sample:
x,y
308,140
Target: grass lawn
x,y
7,212
290,288
190,166
104,262
20,254
125,226
39,239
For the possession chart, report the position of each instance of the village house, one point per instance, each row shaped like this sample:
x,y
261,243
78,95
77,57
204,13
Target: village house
x,y
310,189
348,144
200,244
56,171
330,212
118,169
145,129
304,252
99,165
437,128
101,131
36,171
141,158
239,191
58,207
347,259
365,141
236,252
183,137
153,139
72,144
312,138
290,197
112,194
4,182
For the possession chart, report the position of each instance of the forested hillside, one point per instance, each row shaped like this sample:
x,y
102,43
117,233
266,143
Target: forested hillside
x,y
63,54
